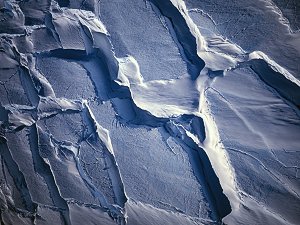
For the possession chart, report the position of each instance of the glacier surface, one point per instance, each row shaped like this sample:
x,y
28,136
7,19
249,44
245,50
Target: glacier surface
x,y
149,112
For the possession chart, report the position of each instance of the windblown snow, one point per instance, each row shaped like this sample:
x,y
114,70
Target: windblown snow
x,y
149,112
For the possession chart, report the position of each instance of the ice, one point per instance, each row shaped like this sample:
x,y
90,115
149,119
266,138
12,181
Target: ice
x,y
149,112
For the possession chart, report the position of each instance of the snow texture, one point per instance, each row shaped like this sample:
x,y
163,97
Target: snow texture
x,y
149,112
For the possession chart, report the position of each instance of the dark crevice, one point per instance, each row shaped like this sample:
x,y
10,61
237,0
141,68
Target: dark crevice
x,y
183,35
17,175
44,170
28,86
63,3
285,87
203,171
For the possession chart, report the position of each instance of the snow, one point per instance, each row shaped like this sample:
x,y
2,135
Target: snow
x,y
149,112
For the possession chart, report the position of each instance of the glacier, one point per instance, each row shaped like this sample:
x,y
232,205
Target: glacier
x,y
149,112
